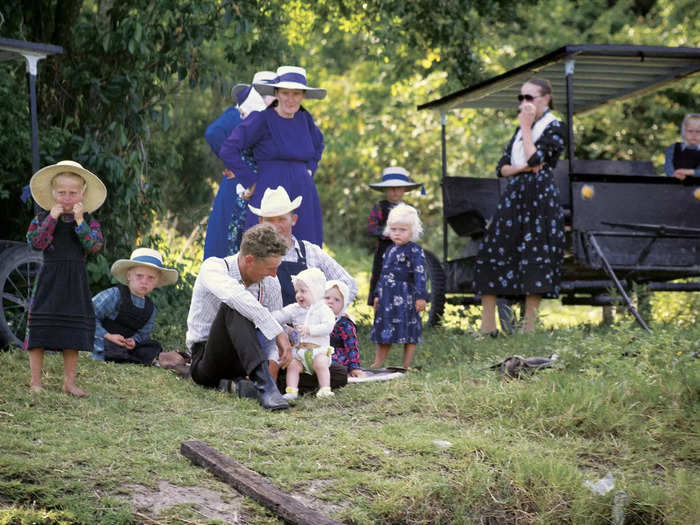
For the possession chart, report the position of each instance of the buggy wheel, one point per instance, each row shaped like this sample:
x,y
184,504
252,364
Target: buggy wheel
x,y
436,288
18,272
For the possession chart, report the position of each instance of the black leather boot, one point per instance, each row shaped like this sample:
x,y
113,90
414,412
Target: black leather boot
x,y
268,394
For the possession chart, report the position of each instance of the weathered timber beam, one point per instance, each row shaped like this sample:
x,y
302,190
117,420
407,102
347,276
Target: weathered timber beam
x,y
252,484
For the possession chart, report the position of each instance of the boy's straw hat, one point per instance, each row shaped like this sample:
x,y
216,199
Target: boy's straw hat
x,y
395,177
290,77
144,257
275,203
42,190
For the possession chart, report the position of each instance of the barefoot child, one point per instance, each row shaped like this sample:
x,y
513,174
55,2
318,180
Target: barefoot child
x,y
61,315
313,322
344,335
400,295
395,182
124,315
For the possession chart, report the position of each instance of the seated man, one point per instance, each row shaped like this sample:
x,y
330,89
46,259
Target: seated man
x,y
229,319
278,210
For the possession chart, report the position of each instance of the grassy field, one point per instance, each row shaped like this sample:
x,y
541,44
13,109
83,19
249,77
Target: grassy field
x,y
450,442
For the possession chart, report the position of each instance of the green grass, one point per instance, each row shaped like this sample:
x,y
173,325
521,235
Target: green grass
x,y
619,401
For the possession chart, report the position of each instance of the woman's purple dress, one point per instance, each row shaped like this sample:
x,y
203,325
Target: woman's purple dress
x,y
284,150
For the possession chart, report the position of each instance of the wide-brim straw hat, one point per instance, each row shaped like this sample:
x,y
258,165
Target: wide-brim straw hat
x,y
144,257
290,77
395,177
275,203
42,190
260,77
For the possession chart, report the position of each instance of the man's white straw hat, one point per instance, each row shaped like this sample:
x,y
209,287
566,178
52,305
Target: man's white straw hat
x,y
42,188
275,203
144,257
290,77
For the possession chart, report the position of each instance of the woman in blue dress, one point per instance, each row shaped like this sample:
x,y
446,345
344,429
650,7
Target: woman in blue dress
x,y
401,292
523,246
287,147
226,221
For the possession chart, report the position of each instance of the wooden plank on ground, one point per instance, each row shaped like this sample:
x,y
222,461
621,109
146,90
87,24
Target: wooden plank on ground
x,y
252,484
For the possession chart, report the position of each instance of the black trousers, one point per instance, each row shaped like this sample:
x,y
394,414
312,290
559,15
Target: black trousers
x,y
232,350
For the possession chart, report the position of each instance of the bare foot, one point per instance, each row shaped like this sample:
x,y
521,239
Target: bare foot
x,y
376,365
35,389
74,390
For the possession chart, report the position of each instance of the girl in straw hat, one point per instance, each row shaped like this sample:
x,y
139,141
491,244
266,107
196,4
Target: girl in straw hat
x,y
61,315
287,146
125,316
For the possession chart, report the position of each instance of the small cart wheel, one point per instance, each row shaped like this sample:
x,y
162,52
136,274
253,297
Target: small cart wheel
x,y
18,271
436,288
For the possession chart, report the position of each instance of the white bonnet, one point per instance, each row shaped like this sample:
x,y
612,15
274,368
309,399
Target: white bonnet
x,y
315,280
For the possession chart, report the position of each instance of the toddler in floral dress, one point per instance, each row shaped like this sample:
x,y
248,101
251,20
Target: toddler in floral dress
x,y
401,291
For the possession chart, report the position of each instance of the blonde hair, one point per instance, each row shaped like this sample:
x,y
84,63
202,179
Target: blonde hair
x,y
688,117
405,214
68,174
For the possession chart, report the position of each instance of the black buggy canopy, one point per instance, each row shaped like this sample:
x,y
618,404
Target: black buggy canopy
x,y
601,73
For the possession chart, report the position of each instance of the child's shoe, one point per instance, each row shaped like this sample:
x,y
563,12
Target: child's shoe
x,y
291,393
325,391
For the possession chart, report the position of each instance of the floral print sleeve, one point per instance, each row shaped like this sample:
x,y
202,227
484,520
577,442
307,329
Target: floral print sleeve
x,y
90,235
344,340
549,146
419,279
40,232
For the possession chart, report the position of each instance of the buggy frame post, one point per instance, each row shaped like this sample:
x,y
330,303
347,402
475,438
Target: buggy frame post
x,y
32,52
618,284
569,70
443,140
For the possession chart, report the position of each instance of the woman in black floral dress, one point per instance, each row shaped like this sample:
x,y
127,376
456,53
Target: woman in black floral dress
x,y
523,246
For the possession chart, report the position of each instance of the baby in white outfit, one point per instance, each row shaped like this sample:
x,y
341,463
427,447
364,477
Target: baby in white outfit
x,y
313,321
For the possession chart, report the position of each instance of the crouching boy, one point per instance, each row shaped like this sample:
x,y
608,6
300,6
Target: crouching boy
x,y
124,315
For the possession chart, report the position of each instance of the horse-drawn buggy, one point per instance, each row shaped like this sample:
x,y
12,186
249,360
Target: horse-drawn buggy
x,y
625,225
19,264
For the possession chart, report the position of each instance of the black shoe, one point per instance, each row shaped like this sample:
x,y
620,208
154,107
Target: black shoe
x,y
225,385
246,388
267,393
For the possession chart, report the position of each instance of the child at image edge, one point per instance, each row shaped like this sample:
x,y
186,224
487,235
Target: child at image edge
x,y
683,158
124,314
313,322
61,315
344,335
395,182
401,293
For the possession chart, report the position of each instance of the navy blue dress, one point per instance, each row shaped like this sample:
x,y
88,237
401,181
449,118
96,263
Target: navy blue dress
x,y
523,247
225,226
401,283
284,149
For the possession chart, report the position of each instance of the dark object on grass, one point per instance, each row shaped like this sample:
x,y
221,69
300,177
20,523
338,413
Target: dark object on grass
x,y
178,362
308,383
252,484
514,366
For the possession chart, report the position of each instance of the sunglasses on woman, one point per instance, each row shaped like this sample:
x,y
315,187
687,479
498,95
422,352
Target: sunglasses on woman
x,y
529,98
